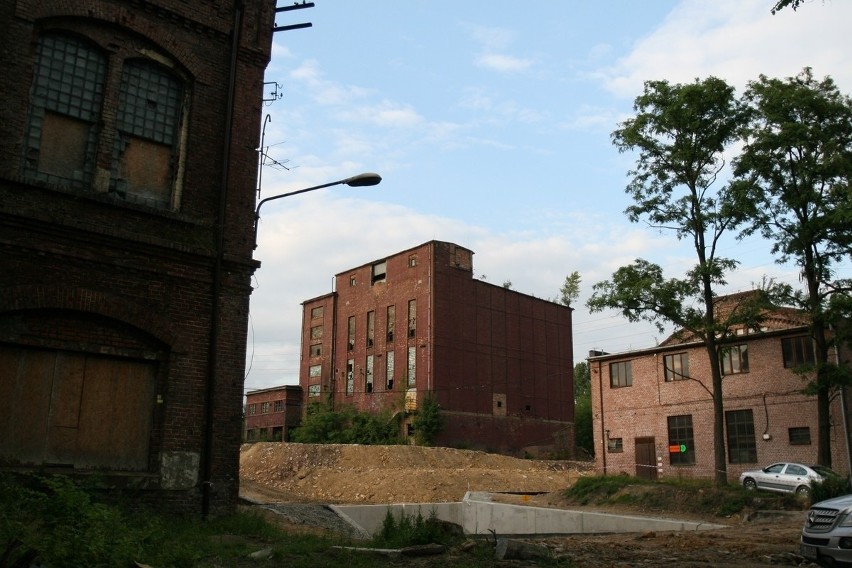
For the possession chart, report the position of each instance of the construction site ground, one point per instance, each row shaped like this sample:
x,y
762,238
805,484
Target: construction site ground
x,y
300,475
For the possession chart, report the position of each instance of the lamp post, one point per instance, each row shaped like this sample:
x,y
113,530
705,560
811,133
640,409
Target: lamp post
x,y
361,180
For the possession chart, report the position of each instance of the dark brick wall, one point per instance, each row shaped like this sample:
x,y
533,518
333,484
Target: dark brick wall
x,y
80,270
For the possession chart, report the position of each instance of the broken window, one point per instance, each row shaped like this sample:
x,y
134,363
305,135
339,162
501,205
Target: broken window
x,y
379,271
368,379
279,406
316,313
251,409
315,371
350,345
412,318
313,390
316,350
68,132
614,445
412,366
371,324
391,322
389,371
264,408
412,260
65,110
316,332
350,376
352,280
149,107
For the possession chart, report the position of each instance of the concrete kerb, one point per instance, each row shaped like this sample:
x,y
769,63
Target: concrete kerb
x,y
478,515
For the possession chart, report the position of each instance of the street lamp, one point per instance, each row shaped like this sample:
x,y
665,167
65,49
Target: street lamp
x,y
361,180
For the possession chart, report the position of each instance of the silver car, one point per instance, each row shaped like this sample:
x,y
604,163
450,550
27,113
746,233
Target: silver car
x,y
827,534
785,477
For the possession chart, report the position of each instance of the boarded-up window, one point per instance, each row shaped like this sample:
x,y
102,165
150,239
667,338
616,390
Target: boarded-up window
x,y
75,409
148,116
65,110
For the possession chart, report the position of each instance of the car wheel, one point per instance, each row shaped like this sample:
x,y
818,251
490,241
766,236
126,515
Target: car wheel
x,y
749,484
803,491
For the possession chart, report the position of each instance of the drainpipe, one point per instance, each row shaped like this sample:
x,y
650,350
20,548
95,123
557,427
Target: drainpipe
x,y
213,352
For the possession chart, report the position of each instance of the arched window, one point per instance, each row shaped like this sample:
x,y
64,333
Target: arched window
x,y
67,97
149,105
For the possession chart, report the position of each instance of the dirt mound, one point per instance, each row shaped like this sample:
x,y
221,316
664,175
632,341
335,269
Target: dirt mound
x,y
341,473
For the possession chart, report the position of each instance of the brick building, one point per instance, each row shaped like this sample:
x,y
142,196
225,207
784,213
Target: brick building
x,y
653,415
127,190
417,324
271,413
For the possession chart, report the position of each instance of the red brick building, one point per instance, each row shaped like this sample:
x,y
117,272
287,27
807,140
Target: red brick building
x,y
127,191
271,413
653,415
417,324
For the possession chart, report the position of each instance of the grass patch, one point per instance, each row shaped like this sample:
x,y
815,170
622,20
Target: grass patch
x,y
57,521
690,496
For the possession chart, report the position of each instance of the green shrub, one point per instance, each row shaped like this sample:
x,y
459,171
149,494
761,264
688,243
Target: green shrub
x,y
410,531
347,426
428,422
830,487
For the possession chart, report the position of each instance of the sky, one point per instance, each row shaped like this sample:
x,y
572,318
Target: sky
x,y
490,124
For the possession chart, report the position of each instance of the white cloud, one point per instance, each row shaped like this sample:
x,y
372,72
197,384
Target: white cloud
x,y
736,41
502,63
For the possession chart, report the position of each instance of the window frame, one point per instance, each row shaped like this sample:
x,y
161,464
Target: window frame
x,y
681,432
796,351
739,436
624,375
680,360
727,359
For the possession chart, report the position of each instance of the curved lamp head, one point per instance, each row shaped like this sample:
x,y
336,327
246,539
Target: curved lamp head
x,y
363,180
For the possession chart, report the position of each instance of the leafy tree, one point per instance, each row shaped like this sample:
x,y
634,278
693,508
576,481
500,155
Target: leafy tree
x,y
570,290
583,437
347,426
680,133
794,175
781,4
582,380
428,422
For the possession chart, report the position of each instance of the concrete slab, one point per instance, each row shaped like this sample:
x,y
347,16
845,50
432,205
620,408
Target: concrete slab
x,y
478,515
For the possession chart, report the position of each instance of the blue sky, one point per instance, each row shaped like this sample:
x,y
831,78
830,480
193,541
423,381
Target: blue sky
x,y
490,125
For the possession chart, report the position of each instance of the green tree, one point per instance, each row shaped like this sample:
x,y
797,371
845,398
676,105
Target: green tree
x,y
428,422
680,133
795,175
347,426
570,290
583,409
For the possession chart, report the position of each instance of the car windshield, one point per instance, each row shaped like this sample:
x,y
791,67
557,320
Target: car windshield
x,y
824,471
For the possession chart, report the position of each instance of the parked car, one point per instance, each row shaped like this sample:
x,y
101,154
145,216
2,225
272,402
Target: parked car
x,y
827,534
785,477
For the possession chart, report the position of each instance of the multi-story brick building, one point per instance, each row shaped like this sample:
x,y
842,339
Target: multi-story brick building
x,y
653,413
127,190
417,324
271,413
